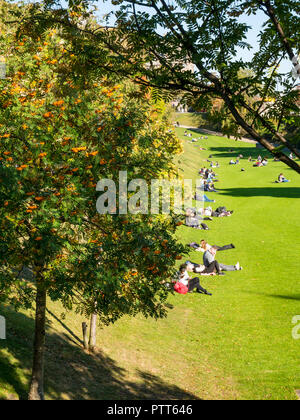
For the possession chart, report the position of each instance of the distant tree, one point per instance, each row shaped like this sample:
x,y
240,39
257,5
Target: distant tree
x,y
154,43
60,132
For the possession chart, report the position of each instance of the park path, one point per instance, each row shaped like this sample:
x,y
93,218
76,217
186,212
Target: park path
x,y
216,133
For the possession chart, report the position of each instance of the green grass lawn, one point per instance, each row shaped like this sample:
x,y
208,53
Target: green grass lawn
x,y
236,344
189,119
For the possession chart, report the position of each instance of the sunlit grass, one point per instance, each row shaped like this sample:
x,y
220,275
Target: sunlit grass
x,y
236,344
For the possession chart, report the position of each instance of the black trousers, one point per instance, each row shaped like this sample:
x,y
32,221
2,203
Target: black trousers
x,y
195,284
223,248
212,268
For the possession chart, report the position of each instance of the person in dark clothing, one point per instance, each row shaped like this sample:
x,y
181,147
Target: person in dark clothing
x,y
204,246
209,270
184,278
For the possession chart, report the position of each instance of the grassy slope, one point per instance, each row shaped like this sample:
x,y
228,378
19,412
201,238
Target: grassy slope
x,y
236,344
188,119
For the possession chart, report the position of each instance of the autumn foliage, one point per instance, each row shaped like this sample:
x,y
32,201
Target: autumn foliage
x,y
60,133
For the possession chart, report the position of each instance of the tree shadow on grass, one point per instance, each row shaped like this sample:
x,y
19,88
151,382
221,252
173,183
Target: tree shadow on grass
x,y
282,191
73,374
9,374
291,297
236,149
295,297
75,339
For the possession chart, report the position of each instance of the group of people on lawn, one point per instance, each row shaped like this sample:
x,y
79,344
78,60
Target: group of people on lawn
x,y
210,267
263,161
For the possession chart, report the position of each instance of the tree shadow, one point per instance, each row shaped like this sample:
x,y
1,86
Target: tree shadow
x,y
9,371
295,297
236,149
291,297
73,374
281,191
76,340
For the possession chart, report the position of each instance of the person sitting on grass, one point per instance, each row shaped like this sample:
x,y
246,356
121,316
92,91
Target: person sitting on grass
x,y
193,219
257,164
184,278
210,256
232,162
282,178
211,187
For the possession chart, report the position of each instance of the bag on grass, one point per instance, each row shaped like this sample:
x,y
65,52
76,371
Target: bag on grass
x,y
180,288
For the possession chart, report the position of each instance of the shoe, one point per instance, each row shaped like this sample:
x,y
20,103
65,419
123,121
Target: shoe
x,y
207,293
237,266
232,246
241,268
221,274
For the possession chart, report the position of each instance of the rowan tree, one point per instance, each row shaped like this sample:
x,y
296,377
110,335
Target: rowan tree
x,y
62,130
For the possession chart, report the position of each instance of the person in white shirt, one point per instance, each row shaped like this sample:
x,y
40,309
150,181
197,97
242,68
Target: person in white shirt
x,y
184,278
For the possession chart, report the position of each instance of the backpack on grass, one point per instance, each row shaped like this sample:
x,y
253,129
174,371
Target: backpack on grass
x,y
181,288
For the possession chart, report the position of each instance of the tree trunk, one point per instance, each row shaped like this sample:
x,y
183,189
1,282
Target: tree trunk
x,y
37,381
93,333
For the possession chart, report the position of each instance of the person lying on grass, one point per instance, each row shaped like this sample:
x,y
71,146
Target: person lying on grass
x,y
184,278
204,198
212,270
208,211
210,256
281,178
204,246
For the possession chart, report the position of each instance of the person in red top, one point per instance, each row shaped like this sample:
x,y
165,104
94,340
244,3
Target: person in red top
x,y
184,278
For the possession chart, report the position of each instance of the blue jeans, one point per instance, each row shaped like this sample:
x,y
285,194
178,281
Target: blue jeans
x,y
224,267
